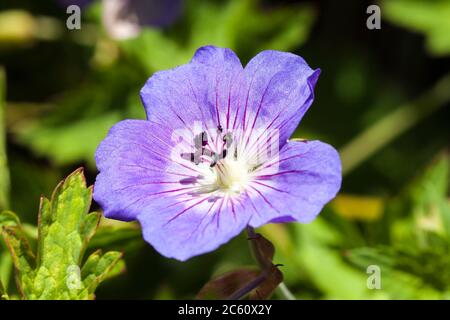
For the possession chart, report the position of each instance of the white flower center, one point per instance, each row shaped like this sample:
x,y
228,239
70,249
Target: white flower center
x,y
222,166
229,176
232,175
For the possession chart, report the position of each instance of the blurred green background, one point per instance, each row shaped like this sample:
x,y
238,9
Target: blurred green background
x,y
382,100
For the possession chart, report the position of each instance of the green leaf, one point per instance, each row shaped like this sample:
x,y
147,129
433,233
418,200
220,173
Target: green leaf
x,y
419,249
62,143
280,28
9,218
99,267
430,18
325,266
402,272
243,24
154,51
118,235
6,265
64,230
22,256
69,130
429,198
217,24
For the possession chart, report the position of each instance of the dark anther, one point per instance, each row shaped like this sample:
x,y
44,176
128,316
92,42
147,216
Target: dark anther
x,y
224,153
192,157
201,140
219,128
188,156
190,180
214,161
228,138
207,152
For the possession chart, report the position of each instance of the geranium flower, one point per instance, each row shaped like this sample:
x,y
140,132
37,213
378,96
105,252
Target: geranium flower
x,y
213,155
124,19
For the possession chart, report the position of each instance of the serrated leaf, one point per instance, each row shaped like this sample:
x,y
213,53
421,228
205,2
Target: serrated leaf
x,y
118,235
9,218
62,219
89,227
99,267
22,256
64,230
65,227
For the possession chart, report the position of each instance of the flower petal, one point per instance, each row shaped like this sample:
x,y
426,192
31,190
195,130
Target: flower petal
x,y
279,91
136,168
206,90
183,229
296,185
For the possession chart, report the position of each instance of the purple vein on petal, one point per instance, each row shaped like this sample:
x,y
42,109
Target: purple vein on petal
x,y
265,199
203,219
270,187
259,110
217,102
185,210
156,169
218,212
233,209
251,202
279,174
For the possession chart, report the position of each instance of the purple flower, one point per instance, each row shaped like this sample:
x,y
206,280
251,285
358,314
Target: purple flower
x,y
213,155
124,19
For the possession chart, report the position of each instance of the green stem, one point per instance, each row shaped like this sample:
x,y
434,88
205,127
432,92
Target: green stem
x,y
4,172
394,124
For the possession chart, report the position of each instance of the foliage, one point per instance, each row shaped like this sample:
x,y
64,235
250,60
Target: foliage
x,y
418,253
427,17
381,99
56,270
106,99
